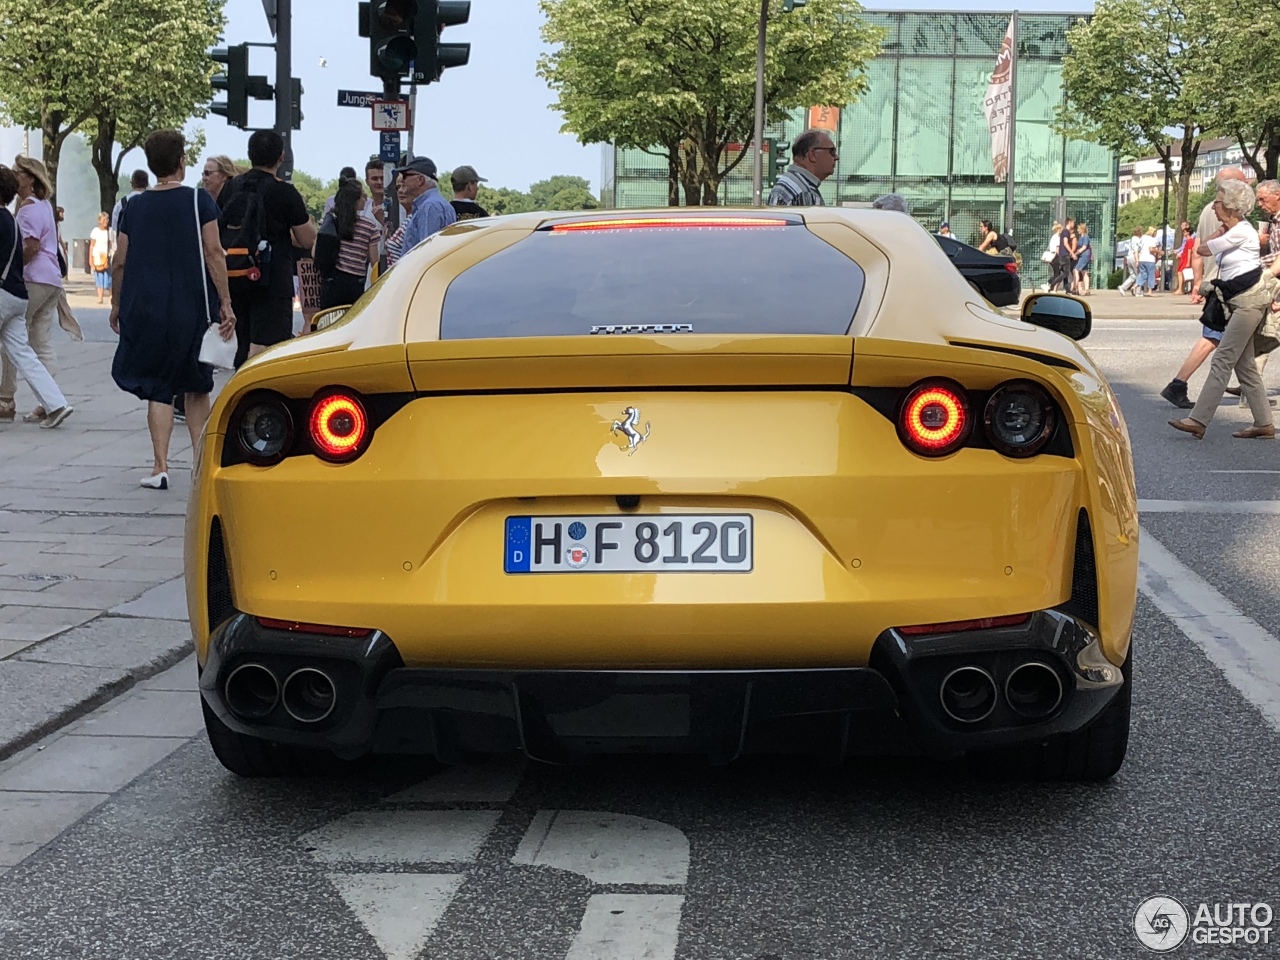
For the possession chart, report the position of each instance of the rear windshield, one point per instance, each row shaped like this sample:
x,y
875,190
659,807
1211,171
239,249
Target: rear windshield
x,y
591,277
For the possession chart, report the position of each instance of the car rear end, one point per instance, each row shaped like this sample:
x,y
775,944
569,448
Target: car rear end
x,y
639,485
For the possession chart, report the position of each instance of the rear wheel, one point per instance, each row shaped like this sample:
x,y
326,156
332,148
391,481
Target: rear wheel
x,y
254,757
1094,753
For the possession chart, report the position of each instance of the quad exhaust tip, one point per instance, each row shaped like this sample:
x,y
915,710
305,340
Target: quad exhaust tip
x,y
1033,690
968,694
251,691
309,695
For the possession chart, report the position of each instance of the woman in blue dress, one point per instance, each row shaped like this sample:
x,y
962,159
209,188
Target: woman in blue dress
x,y
169,281
1084,258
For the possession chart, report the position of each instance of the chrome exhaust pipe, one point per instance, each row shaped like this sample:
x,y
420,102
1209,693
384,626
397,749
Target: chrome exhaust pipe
x,y
251,691
1033,690
309,695
968,694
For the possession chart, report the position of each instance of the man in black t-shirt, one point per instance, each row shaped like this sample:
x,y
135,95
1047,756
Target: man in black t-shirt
x,y
466,184
264,311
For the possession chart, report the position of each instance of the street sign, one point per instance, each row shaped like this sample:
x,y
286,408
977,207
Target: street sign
x,y
390,115
389,146
364,98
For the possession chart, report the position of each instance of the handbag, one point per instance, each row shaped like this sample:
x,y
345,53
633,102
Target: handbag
x,y
1047,256
1267,337
215,351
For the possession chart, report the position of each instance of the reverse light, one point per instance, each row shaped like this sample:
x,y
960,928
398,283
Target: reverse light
x,y
1019,418
673,223
339,426
264,428
934,418
962,626
323,629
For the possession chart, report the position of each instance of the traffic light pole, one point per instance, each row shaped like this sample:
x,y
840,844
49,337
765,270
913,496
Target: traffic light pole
x,y
284,71
757,167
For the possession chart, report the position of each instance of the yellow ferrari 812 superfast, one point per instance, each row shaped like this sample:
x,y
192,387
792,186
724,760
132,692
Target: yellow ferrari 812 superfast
x,y
686,481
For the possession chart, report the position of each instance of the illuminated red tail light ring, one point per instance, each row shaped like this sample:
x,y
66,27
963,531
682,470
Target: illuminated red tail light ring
x,y
934,418
338,426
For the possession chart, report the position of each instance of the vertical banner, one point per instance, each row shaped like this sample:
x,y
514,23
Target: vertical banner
x,y
825,118
999,106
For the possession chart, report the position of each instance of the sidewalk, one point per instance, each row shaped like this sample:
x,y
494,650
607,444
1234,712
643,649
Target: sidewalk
x,y
1113,305
91,596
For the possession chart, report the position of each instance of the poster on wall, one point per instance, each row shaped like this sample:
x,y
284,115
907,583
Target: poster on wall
x,y
999,105
825,118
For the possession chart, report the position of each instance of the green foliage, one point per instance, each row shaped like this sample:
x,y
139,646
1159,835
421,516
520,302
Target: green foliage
x,y
1114,279
1149,212
560,192
314,190
677,77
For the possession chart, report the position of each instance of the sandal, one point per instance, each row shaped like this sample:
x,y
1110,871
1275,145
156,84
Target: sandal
x,y
38,415
8,410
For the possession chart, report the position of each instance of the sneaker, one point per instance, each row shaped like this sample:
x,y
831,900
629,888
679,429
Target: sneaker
x,y
1176,393
1233,391
55,419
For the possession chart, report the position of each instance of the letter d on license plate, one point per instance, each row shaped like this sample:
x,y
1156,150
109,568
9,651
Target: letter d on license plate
x,y
652,543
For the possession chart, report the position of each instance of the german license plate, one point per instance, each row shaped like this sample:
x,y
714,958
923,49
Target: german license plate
x,y
653,543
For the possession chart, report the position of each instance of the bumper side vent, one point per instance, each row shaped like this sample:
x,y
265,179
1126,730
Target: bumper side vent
x,y
1084,574
218,579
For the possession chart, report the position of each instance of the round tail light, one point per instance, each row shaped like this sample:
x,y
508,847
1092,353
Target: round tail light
x,y
264,428
339,426
1020,418
934,418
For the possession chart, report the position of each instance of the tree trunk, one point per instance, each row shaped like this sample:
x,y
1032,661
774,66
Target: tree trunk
x,y
104,163
1273,150
689,176
51,138
673,176
1190,152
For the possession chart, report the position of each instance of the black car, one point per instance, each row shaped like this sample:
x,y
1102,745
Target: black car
x,y
992,275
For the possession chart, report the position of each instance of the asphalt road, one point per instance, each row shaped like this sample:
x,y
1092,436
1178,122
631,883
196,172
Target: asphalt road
x,y
761,860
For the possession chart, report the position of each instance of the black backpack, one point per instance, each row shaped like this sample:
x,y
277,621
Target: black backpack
x,y
1005,242
243,226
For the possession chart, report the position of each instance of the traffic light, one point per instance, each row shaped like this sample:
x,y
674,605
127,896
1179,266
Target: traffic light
x,y
235,81
391,28
295,92
436,57
778,153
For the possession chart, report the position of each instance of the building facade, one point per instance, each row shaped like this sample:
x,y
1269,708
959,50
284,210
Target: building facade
x,y
1144,178
922,130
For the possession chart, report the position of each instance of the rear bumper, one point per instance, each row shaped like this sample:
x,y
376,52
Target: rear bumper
x,y
891,705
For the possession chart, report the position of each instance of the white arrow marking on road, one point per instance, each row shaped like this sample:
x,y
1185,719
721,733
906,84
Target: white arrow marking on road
x,y
1247,655
492,782
403,836
400,910
628,927
606,847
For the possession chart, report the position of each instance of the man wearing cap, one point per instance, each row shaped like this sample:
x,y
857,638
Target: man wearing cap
x,y
466,184
431,212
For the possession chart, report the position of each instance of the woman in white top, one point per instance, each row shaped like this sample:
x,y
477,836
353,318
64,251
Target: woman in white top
x,y
101,250
1248,294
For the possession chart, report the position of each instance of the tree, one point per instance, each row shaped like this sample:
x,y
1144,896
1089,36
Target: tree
x,y
562,193
48,68
1134,72
161,71
676,78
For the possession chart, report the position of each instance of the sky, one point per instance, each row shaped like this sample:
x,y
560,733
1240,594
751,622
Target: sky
x,y
494,113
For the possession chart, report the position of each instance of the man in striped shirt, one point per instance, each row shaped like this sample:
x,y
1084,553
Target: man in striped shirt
x,y
813,159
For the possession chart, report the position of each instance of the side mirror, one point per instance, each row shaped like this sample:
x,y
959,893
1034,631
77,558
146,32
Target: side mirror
x,y
1067,315
327,318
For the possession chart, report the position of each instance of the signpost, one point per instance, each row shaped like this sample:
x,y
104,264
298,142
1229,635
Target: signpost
x,y
389,146
390,115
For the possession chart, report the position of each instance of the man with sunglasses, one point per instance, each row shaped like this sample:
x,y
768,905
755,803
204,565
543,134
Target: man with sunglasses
x,y
813,159
431,211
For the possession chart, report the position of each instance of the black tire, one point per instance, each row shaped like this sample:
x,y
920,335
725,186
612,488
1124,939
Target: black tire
x,y
1095,753
254,757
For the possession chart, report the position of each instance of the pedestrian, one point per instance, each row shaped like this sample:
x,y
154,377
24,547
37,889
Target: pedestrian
x,y
466,186
101,249
1148,252
945,230
987,242
14,345
1186,251
138,184
431,212
170,282
1247,291
1084,257
1131,250
66,319
375,180
813,159
217,173
262,285
395,242
35,217
357,246
346,173
1064,265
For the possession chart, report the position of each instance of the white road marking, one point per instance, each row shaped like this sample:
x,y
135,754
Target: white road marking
x,y
1247,654
400,910
1268,472
606,847
492,782
403,836
1209,506
628,927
